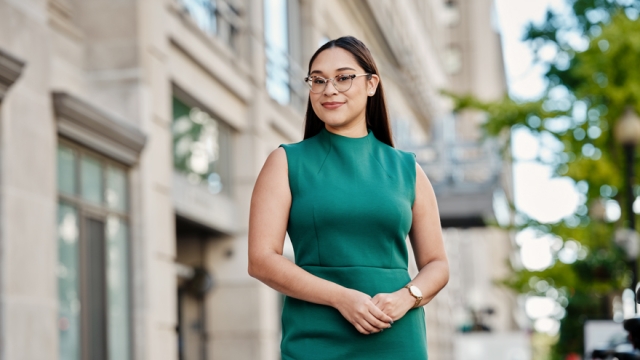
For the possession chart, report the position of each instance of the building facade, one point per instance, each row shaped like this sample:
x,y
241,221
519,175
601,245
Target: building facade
x,y
132,132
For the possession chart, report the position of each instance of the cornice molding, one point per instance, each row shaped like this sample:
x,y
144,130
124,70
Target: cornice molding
x,y
92,127
10,69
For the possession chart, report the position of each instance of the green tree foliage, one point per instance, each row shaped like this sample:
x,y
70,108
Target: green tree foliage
x,y
592,77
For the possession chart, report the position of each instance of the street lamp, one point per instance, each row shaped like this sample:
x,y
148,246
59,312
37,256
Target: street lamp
x,y
627,133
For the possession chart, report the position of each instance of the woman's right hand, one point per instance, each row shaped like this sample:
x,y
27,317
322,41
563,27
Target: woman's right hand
x,y
359,310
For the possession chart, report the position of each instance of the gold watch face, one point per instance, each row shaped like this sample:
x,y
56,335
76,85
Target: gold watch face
x,y
415,291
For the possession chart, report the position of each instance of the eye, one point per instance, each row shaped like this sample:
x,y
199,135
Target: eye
x,y
341,78
319,81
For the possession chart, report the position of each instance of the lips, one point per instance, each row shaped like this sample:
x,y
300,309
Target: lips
x,y
332,105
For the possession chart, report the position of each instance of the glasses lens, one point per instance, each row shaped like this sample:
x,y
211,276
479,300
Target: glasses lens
x,y
340,82
343,82
316,84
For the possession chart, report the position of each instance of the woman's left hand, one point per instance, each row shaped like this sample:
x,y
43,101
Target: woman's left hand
x,y
395,304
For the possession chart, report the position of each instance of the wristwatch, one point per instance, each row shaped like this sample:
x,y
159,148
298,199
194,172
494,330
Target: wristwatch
x,y
416,293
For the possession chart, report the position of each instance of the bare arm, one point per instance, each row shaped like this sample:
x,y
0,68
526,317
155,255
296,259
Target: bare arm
x,y
428,247
426,239
269,214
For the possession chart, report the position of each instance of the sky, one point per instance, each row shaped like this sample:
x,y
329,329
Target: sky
x,y
536,193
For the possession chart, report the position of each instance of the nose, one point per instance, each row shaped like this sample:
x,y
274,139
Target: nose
x,y
328,92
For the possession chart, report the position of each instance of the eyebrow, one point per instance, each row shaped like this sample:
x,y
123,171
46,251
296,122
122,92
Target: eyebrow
x,y
341,69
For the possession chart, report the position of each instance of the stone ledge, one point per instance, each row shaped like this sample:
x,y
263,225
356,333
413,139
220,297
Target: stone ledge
x,y
10,69
94,128
198,208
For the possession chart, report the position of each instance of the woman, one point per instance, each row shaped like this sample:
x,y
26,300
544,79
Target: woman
x,y
348,199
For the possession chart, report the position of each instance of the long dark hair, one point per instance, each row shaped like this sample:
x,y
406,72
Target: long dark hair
x,y
376,112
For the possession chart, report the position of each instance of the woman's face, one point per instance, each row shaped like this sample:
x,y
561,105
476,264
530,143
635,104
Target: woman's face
x,y
338,109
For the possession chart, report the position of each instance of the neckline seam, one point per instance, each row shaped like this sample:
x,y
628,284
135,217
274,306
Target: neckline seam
x,y
348,138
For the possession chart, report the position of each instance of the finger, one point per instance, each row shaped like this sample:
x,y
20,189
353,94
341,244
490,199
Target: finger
x,y
380,315
367,326
361,329
378,324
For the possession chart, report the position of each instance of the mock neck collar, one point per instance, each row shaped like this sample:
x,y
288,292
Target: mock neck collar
x,y
347,139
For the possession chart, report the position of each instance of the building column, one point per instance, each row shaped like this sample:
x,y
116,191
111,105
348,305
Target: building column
x,y
10,70
28,297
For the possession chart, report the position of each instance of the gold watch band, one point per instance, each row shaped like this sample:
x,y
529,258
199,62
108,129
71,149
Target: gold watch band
x,y
418,298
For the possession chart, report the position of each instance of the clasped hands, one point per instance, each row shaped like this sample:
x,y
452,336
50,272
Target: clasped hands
x,y
372,315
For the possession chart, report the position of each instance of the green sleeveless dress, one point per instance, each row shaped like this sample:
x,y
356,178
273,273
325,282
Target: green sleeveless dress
x,y
349,218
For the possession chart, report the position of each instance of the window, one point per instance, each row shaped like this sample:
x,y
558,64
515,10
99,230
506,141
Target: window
x,y
93,256
452,60
452,12
282,45
277,49
216,17
201,147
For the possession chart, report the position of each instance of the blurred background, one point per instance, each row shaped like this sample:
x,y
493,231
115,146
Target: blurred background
x,y
132,132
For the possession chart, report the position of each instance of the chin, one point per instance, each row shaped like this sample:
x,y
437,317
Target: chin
x,y
334,122
334,119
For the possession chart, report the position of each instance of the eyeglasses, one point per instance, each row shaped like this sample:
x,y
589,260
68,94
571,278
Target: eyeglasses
x,y
342,83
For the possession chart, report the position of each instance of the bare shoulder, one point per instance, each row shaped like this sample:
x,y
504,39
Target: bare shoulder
x,y
421,177
274,173
277,158
425,195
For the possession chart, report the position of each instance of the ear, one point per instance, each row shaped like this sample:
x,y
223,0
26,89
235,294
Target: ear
x,y
372,84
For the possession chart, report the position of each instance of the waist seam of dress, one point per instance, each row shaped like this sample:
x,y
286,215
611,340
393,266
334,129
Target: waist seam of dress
x,y
355,266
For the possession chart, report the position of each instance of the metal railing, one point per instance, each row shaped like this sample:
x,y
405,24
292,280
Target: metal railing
x,y
460,166
218,18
